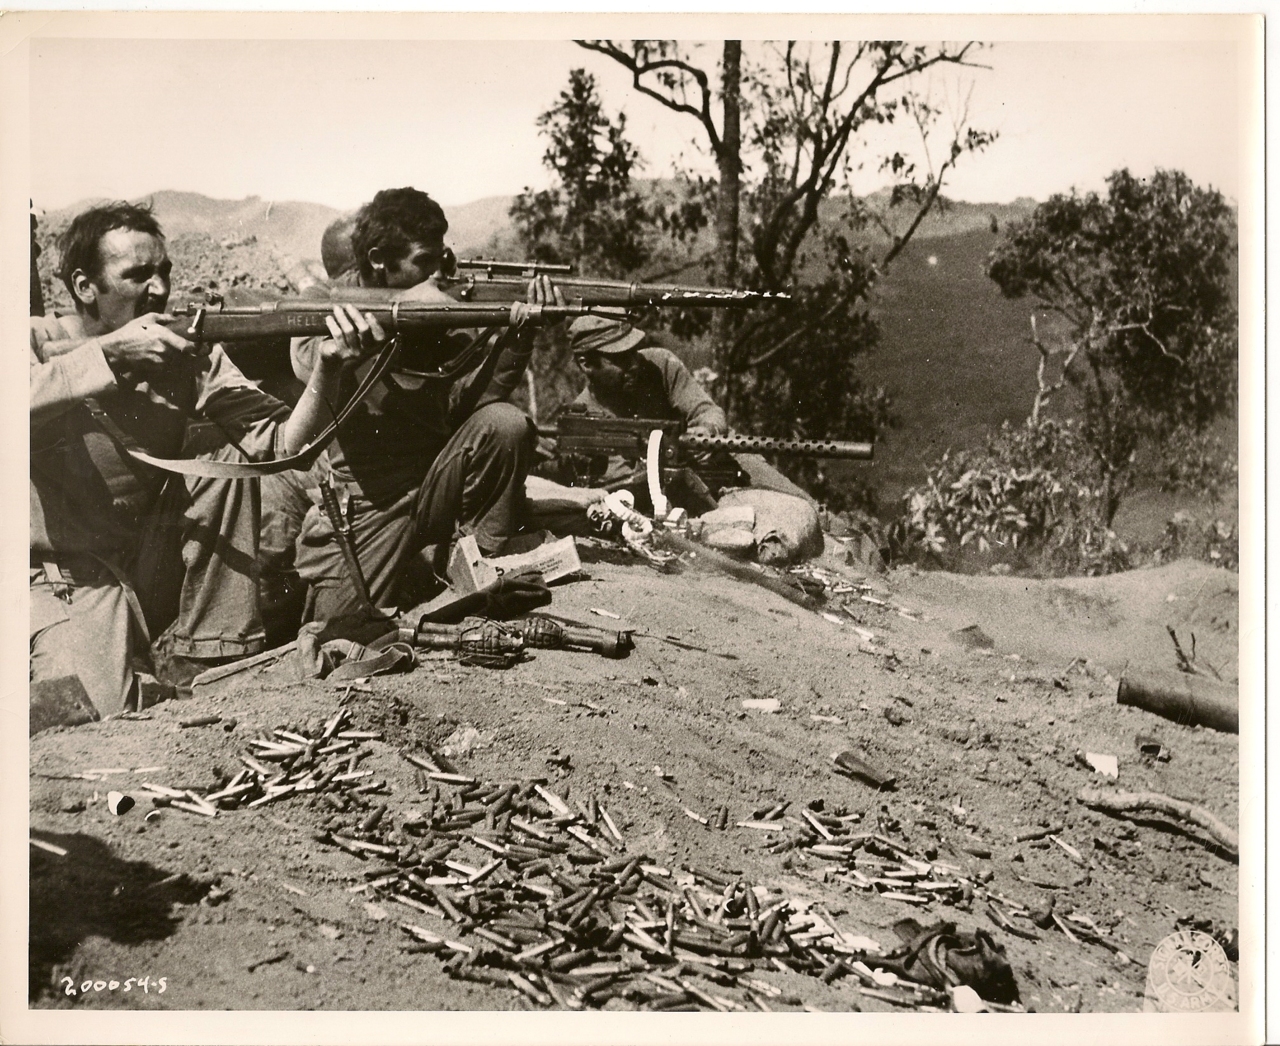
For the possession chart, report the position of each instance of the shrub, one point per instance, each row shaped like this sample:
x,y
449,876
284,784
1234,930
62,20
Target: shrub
x,y
1032,495
1186,537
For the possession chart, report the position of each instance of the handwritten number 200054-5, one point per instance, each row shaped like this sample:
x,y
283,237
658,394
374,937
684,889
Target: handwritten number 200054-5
x,y
69,987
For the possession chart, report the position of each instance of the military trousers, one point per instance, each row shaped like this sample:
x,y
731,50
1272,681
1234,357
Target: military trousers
x,y
474,486
192,578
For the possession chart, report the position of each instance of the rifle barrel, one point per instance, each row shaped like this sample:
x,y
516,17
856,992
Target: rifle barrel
x,y
809,448
479,287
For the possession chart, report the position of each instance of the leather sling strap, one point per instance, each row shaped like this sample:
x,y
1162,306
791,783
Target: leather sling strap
x,y
247,469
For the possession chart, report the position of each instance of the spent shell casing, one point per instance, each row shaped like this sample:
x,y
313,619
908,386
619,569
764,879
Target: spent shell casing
x,y
627,871
834,969
370,822
583,906
446,904
522,985
571,959
495,937
444,762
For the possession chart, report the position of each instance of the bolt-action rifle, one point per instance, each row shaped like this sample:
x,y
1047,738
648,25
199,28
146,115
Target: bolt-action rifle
x,y
217,321
493,281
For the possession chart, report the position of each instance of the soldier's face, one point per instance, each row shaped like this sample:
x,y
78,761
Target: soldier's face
x,y
418,263
607,372
133,279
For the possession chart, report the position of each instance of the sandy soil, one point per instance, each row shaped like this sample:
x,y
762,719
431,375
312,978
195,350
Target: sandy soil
x,y
982,741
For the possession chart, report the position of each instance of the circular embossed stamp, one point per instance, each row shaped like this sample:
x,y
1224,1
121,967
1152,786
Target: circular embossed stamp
x,y
1189,973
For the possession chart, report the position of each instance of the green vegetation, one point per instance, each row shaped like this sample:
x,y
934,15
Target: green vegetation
x,y
1140,283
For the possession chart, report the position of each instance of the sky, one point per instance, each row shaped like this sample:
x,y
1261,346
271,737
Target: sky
x,y
332,121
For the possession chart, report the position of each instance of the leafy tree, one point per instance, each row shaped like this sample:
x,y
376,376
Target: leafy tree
x,y
595,219
787,123
592,217
1138,285
1140,281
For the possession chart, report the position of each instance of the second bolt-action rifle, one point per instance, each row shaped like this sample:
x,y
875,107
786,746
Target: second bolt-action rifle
x,y
481,282
493,281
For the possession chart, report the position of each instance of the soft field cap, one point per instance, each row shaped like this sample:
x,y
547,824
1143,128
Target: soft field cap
x,y
601,334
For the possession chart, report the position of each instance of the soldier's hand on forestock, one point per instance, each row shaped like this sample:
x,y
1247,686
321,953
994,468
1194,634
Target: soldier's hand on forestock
x,y
543,291
145,345
355,335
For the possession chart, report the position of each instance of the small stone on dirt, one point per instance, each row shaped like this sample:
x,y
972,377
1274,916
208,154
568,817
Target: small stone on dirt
x,y
971,637
463,740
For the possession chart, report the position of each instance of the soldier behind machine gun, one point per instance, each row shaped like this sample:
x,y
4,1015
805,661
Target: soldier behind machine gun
x,y
631,380
630,377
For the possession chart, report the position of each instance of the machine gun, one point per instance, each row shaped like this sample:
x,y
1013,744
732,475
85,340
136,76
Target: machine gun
x,y
585,441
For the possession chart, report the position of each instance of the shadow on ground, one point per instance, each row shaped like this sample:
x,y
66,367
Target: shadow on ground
x,y
92,892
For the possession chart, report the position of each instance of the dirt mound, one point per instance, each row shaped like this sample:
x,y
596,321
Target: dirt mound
x,y
1117,621
982,742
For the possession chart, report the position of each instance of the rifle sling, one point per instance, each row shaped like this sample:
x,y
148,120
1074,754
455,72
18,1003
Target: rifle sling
x,y
247,469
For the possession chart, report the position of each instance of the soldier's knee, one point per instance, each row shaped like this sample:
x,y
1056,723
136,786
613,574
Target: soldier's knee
x,y
506,424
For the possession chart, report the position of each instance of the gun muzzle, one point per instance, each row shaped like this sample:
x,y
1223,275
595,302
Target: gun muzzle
x,y
701,297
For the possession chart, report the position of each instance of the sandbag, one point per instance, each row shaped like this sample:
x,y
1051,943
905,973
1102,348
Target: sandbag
x,y
786,530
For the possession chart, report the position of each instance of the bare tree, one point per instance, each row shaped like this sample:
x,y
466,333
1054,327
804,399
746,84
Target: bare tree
x,y
787,124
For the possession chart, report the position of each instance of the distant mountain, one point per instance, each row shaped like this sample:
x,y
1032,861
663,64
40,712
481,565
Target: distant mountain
x,y
290,226
474,228
948,217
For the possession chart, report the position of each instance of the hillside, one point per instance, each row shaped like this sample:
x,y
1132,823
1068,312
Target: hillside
x,y
953,354
733,698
